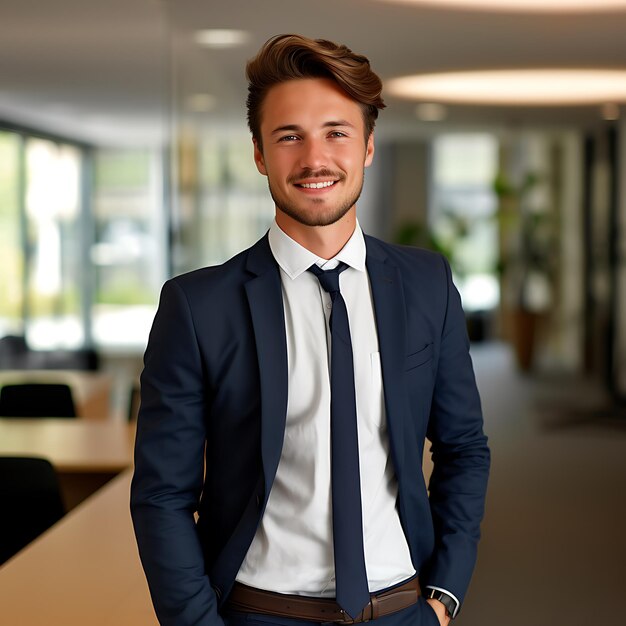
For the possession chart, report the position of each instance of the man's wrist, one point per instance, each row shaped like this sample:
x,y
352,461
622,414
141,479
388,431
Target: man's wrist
x,y
445,598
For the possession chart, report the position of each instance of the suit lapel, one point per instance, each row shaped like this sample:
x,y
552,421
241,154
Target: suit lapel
x,y
265,299
389,308
264,294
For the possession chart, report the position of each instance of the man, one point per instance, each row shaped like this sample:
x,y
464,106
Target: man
x,y
287,393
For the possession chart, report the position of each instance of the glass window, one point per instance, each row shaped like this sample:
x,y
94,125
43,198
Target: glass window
x,y
463,214
11,259
48,286
53,252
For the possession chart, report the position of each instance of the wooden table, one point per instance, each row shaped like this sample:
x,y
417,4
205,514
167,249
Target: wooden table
x,y
85,453
84,570
91,390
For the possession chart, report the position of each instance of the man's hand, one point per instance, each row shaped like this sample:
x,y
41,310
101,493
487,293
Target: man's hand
x,y
440,610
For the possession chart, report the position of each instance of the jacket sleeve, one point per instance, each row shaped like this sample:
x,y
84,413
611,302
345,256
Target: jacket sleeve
x,y
460,455
169,467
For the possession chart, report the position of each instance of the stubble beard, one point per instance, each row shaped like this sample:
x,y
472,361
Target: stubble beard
x,y
316,218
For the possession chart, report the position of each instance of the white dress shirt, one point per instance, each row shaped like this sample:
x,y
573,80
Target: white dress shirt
x,y
292,551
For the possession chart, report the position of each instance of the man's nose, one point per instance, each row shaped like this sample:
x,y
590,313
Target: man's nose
x,y
314,155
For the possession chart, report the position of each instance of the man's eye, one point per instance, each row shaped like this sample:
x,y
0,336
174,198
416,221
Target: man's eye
x,y
337,133
288,138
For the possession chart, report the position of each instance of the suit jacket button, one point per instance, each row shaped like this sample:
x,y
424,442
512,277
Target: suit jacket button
x,y
258,500
218,592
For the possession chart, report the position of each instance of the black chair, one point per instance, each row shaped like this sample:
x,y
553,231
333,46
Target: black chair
x,y
84,359
31,502
37,400
13,352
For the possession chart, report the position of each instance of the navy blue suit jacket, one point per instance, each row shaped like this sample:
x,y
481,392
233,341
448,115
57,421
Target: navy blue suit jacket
x,y
212,420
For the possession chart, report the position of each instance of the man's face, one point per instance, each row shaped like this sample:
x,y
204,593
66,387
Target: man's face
x,y
314,151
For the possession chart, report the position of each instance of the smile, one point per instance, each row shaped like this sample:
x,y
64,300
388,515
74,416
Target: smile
x,y
327,183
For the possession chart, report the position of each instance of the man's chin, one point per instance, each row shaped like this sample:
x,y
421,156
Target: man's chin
x,y
316,214
313,219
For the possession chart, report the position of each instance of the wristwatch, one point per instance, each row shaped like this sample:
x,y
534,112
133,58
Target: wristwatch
x,y
447,600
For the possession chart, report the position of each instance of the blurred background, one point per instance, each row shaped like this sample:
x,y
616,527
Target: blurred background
x,y
125,159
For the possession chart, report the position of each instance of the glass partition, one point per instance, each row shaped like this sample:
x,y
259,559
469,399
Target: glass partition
x,y
223,202
129,249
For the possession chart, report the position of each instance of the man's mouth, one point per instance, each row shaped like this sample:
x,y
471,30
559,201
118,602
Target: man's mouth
x,y
326,183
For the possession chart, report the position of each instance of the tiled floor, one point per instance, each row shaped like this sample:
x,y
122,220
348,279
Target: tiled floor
x,y
554,536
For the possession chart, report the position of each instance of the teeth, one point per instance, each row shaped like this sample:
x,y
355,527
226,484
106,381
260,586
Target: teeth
x,y
327,183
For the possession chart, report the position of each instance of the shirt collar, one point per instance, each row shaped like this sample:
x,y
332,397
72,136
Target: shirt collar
x,y
295,259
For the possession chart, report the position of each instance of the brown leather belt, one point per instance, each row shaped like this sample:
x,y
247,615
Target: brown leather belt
x,y
251,600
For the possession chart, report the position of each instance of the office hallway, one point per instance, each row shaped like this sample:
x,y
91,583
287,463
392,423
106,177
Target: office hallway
x,y
554,543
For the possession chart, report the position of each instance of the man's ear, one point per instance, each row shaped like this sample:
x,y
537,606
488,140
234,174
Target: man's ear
x,y
258,158
369,150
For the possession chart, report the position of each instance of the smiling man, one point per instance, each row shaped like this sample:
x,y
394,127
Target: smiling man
x,y
287,394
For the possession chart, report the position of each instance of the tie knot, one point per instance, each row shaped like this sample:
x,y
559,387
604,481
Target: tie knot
x,y
329,279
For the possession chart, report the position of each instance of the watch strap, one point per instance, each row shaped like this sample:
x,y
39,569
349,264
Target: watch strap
x,y
446,599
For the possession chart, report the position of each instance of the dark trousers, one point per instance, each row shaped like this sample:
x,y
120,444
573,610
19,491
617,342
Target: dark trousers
x,y
420,614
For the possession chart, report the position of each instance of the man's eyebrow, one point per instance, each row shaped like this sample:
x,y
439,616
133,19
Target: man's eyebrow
x,y
282,129
334,123
296,128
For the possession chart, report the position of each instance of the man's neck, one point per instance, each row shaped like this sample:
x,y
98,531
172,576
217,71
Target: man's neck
x,y
323,241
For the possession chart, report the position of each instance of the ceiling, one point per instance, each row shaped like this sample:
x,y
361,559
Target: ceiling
x,y
119,72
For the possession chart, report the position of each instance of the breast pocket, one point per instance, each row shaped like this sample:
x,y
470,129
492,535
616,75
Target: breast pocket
x,y
419,380
420,357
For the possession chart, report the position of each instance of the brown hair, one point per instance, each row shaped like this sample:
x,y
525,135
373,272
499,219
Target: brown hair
x,y
289,57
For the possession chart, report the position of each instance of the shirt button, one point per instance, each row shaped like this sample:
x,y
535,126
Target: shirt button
x,y
329,305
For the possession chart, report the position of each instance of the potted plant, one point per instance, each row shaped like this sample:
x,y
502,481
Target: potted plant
x,y
528,258
449,239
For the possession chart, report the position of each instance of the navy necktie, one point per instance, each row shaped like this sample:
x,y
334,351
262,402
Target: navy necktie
x,y
350,575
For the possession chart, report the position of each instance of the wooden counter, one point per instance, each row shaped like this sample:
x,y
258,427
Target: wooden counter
x,y
85,453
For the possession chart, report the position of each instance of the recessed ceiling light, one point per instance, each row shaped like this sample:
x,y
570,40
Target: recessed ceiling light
x,y
544,6
221,37
541,87
431,112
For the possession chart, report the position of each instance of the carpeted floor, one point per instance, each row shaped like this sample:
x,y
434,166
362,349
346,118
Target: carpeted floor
x,y
554,536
